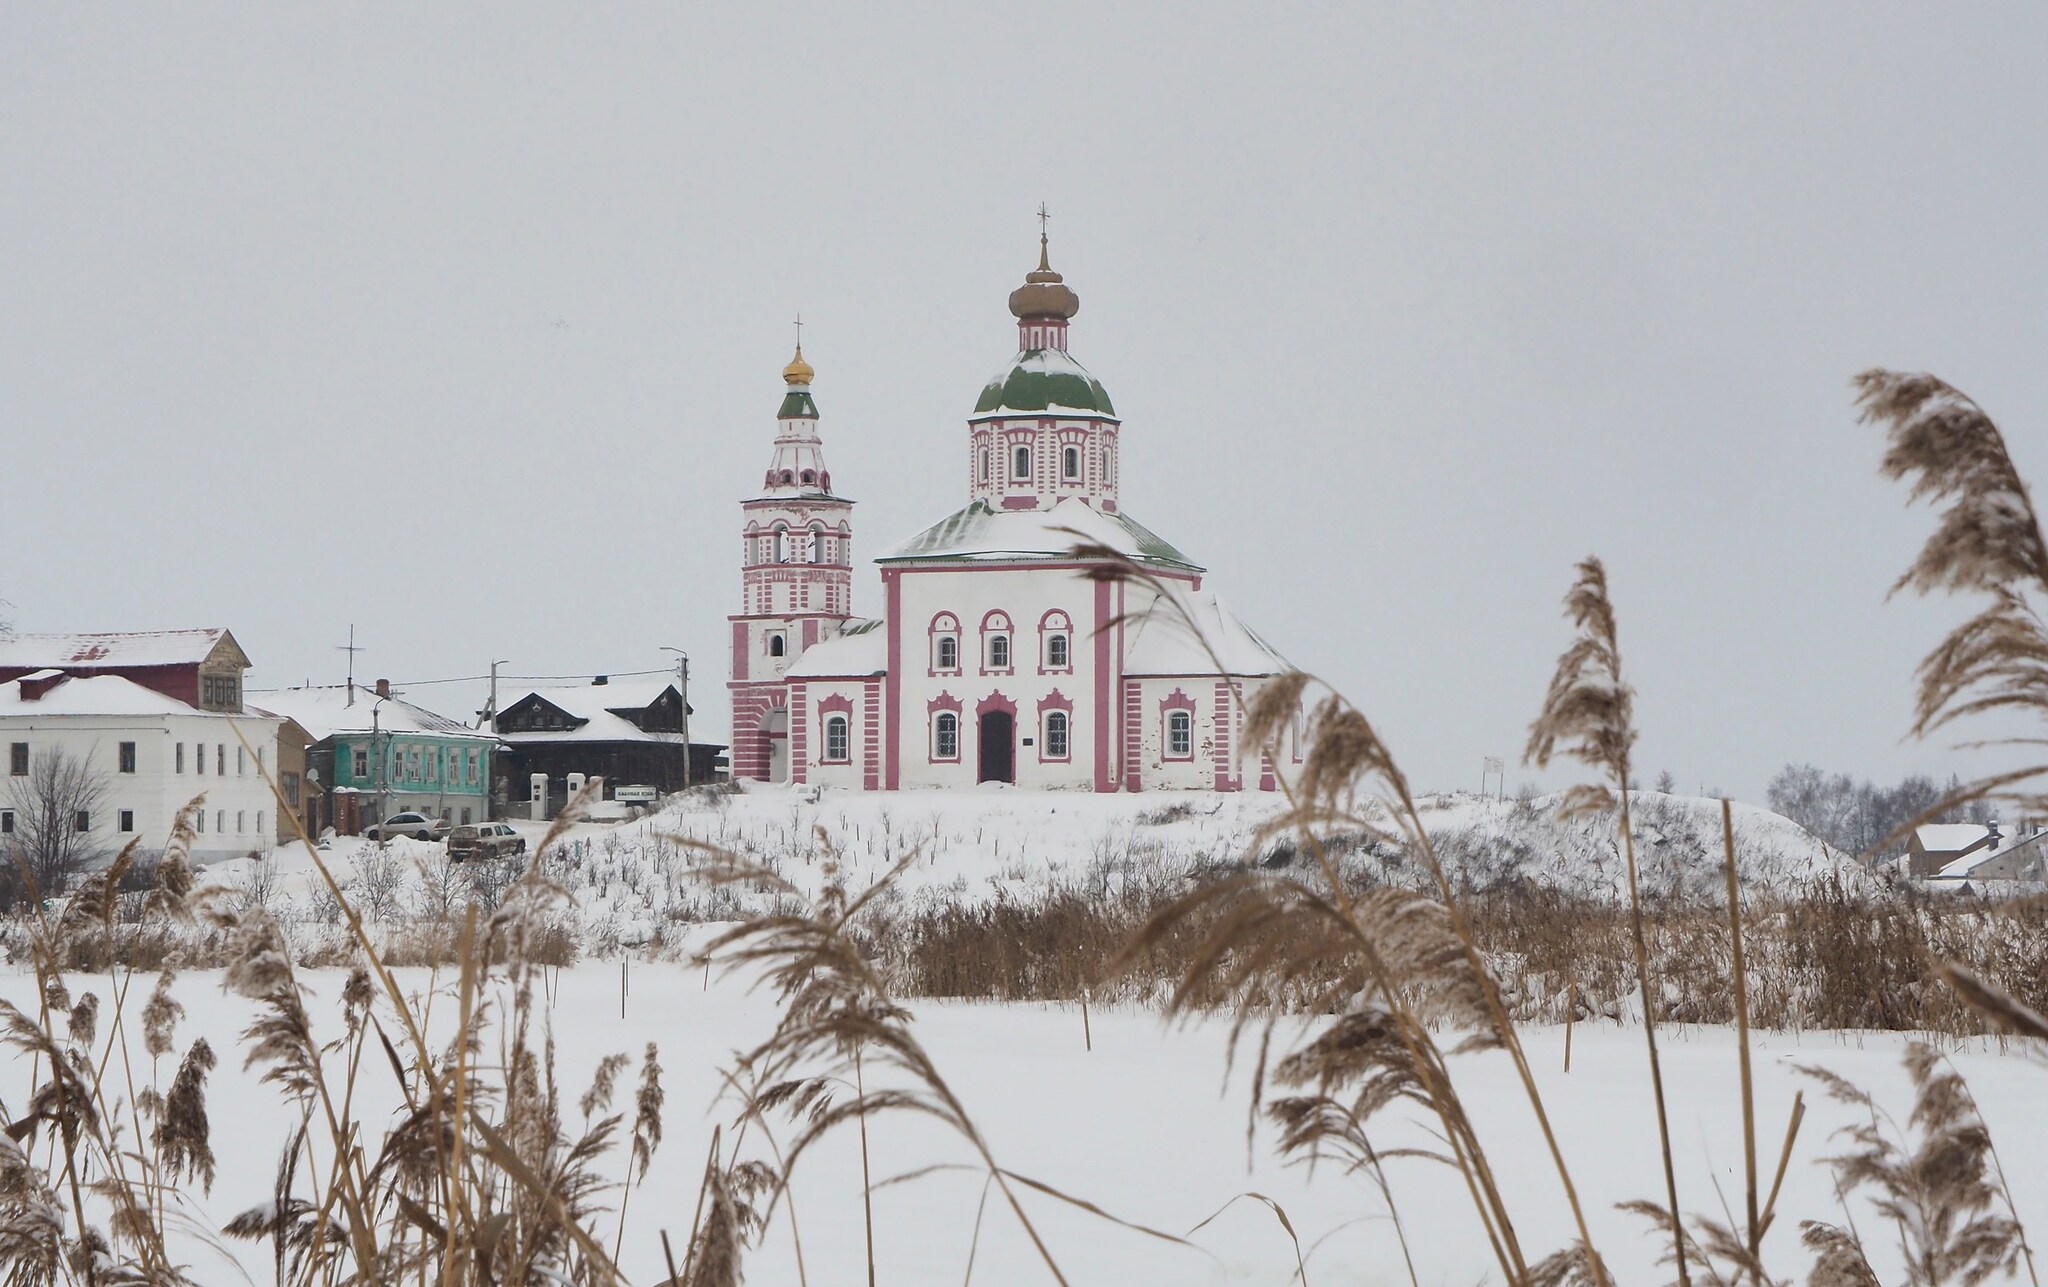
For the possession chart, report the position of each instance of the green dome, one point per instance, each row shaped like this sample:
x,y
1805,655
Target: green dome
x,y
1044,380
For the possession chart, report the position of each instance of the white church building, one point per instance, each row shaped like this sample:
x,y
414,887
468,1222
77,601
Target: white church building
x,y
997,657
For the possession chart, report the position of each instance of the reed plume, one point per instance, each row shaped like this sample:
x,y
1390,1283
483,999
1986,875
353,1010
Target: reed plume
x,y
1589,715
1987,540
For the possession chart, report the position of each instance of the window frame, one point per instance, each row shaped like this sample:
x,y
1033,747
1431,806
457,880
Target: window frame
x,y
1064,750
124,820
1020,463
1184,718
17,759
125,757
1070,464
941,722
840,723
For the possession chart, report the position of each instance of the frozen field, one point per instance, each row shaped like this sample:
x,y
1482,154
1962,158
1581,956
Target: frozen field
x,y
1145,1124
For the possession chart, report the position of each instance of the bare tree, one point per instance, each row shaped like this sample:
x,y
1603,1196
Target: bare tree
x,y
60,792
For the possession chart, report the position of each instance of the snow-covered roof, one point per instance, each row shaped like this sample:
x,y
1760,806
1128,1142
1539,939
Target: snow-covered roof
x,y
328,710
1951,837
1162,642
1968,864
597,705
1041,380
980,533
88,695
860,648
134,648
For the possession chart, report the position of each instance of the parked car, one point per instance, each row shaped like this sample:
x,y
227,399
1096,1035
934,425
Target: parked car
x,y
488,840
417,825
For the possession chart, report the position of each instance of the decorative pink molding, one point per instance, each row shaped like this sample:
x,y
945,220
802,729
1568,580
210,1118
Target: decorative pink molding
x,y
1176,701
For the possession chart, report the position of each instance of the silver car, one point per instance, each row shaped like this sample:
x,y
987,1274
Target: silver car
x,y
417,825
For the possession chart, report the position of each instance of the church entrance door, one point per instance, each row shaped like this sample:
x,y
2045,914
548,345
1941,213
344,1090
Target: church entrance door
x,y
998,749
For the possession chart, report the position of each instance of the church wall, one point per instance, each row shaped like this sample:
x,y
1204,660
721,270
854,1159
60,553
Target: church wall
x,y
1025,595
821,700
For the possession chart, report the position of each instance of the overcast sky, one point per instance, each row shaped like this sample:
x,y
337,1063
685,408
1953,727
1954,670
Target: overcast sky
x,y
463,325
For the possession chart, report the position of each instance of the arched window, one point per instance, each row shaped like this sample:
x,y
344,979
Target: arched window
x,y
1056,652
782,545
1108,466
835,739
1070,463
945,636
984,464
787,478
946,736
995,642
775,645
1055,735
1021,471
810,475
817,545
1180,735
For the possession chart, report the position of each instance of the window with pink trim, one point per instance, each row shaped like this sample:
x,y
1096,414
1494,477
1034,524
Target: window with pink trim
x,y
1055,643
945,644
944,711
1177,726
995,643
838,745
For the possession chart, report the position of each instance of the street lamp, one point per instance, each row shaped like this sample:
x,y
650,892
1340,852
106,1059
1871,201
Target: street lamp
x,y
683,675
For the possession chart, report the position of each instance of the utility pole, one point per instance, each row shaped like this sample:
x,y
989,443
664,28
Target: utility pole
x,y
351,649
490,711
377,772
683,679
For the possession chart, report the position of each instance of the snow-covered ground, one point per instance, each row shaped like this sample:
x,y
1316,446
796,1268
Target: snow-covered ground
x,y
632,879
1144,1124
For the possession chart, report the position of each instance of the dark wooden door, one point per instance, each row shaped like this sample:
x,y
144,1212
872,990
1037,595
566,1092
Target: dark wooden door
x,y
998,750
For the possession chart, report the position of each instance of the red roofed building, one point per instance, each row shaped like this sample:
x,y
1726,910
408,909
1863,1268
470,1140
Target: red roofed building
x,y
202,668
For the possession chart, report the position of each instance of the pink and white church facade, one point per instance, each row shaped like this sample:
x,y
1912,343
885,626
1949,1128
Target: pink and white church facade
x,y
996,658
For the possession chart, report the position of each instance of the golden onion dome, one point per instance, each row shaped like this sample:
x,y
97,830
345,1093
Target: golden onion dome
x,y
798,371
1044,292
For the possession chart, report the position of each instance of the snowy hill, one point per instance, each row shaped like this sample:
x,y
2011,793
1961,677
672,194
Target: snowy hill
x,y
634,880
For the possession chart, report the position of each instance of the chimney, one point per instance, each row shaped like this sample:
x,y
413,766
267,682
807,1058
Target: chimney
x,y
383,688
1991,828
34,686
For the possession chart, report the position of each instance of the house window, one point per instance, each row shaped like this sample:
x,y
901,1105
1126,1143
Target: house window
x,y
361,758
288,785
1022,462
181,757
6,822
127,757
220,692
240,766
465,817
1180,735
202,822
948,653
835,739
1056,735
475,773
999,652
127,820
220,759
1056,652
946,736
259,822
1070,463
220,821
17,759
238,822
775,645
82,820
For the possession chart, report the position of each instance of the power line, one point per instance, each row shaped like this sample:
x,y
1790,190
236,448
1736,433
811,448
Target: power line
x,y
528,679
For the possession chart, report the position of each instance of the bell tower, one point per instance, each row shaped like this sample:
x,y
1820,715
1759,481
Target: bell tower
x,y
796,576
